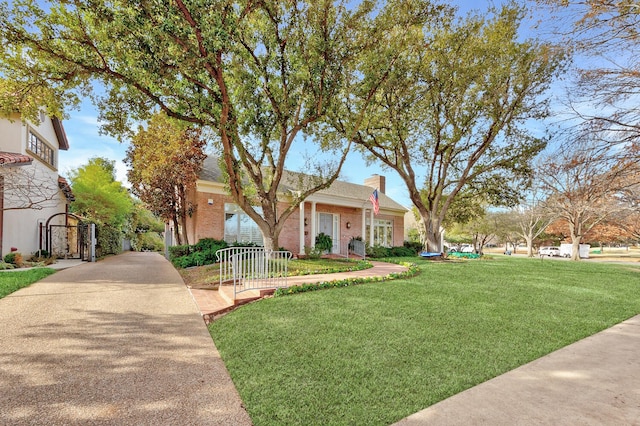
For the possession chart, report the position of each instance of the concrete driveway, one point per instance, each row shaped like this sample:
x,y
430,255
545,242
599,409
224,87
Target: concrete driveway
x,y
119,341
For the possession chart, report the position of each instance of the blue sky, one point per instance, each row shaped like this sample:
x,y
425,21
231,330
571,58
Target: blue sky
x,y
85,142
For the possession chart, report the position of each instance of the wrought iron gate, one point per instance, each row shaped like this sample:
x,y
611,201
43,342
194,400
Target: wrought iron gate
x,y
67,241
70,241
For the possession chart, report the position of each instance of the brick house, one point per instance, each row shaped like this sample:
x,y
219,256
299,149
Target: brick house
x,y
31,191
342,211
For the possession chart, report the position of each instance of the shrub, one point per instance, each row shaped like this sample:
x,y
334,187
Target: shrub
x,y
209,244
415,246
148,241
208,248
324,242
201,253
402,252
14,258
378,251
312,252
42,256
108,240
179,251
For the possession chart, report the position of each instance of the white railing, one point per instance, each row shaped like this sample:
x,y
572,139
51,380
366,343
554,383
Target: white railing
x,y
252,268
357,247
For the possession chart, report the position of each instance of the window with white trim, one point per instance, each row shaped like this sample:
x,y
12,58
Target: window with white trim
x,y
382,232
239,227
41,149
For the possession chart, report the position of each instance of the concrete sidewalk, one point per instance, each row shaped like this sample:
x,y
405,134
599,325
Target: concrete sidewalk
x,y
595,381
119,341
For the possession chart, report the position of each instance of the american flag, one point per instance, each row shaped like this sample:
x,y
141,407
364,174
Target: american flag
x,y
374,200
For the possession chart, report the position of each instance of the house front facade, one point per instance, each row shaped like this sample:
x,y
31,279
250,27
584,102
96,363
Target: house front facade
x,y
32,193
343,211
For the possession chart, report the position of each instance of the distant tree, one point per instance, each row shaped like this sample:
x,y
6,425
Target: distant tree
x,y
506,229
257,74
164,160
585,182
98,196
631,225
609,87
608,232
484,230
456,235
145,229
530,219
628,220
455,105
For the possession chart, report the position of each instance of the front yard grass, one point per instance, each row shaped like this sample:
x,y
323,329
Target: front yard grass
x,y
375,353
11,281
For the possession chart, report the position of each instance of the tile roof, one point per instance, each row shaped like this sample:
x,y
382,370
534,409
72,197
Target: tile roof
x,y
14,159
66,188
338,190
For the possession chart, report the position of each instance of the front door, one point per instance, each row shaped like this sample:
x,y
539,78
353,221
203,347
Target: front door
x,y
329,224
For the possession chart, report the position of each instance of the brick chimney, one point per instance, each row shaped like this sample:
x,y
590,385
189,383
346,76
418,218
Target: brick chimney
x,y
376,181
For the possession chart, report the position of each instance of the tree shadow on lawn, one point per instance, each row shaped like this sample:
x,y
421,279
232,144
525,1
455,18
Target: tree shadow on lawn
x,y
118,368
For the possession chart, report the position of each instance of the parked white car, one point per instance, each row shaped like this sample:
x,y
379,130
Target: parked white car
x,y
549,251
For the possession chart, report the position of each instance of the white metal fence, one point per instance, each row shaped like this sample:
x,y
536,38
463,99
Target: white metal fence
x,y
357,247
252,268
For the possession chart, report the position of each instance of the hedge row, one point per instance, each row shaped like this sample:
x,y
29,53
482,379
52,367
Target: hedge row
x,y
201,253
380,252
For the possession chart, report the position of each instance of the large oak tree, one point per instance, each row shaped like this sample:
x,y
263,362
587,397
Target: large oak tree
x,y
256,73
451,118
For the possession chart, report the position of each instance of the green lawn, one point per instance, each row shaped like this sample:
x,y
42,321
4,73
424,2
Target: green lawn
x,y
374,353
11,281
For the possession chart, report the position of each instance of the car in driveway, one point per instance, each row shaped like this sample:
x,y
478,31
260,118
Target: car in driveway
x,y
549,251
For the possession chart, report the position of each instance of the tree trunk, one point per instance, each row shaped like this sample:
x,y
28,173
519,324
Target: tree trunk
x,y
433,236
575,248
270,242
576,236
185,235
529,240
176,231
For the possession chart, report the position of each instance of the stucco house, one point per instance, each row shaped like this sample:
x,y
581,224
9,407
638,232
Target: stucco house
x,y
342,211
31,191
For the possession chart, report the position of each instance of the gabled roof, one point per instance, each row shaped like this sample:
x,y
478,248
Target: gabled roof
x,y
360,192
61,135
14,159
340,192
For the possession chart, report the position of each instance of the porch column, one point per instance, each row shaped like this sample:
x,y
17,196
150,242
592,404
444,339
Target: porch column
x,y
364,225
301,251
371,227
313,224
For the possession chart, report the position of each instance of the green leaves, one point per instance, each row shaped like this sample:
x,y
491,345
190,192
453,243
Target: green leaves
x,y
98,196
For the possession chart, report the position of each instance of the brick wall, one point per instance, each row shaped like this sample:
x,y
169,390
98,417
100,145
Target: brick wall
x,y
208,222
